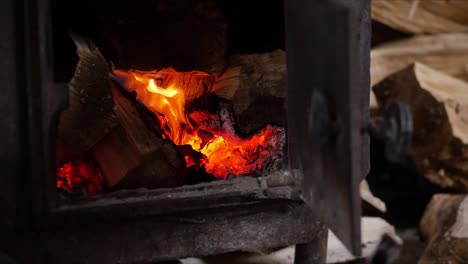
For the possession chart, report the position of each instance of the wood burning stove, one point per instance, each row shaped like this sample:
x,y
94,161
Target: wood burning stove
x,y
327,47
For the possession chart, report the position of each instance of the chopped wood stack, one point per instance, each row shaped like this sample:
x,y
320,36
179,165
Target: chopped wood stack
x,y
102,121
428,70
422,16
89,116
447,53
430,73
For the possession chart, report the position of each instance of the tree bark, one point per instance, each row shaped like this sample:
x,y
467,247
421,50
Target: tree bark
x,y
133,152
194,84
447,53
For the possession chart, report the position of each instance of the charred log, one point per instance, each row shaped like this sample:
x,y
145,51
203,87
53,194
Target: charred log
x,y
224,126
89,116
134,155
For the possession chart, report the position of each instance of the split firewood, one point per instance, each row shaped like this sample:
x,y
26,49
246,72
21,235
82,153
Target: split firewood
x,y
439,104
89,116
422,16
134,154
447,53
256,86
445,226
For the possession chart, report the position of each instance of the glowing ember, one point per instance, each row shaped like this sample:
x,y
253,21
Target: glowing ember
x,y
224,152
79,175
237,156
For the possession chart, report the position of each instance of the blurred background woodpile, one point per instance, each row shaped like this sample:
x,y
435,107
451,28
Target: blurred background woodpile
x,y
420,57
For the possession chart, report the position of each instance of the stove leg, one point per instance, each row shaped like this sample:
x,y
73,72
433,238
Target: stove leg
x,y
314,252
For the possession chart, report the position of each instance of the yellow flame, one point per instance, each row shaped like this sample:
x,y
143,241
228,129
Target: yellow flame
x,y
168,92
168,101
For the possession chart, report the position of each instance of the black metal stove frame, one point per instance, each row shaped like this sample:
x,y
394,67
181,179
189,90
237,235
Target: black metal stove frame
x,y
131,226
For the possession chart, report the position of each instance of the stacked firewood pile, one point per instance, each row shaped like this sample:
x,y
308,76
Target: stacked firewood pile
x,y
424,63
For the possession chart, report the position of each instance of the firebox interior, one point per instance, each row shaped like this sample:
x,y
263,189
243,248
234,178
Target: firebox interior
x,y
148,46
160,34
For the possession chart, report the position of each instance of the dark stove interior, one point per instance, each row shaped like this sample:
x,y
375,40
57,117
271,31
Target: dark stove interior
x,y
187,35
159,55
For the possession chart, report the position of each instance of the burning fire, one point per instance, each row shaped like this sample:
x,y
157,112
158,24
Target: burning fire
x,y
224,152
211,136
79,175
168,101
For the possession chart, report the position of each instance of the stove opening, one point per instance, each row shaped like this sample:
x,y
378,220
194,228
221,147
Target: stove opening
x,y
168,93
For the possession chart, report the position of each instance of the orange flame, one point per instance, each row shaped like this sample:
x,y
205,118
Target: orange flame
x,y
168,101
224,152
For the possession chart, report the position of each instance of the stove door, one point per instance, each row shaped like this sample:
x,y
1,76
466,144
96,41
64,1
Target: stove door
x,y
324,111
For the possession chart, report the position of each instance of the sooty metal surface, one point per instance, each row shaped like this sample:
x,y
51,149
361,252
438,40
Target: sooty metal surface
x,y
324,111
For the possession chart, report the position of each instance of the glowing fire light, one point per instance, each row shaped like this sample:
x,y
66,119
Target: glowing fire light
x,y
79,175
168,101
225,153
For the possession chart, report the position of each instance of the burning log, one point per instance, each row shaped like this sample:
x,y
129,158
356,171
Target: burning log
x,y
194,85
209,127
89,116
134,154
419,17
256,86
173,125
439,104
